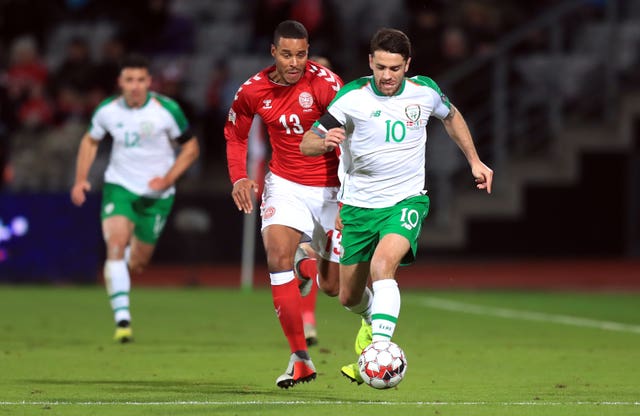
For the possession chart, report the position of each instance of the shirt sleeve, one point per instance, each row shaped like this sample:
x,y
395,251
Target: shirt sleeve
x,y
328,84
337,111
442,106
236,133
97,129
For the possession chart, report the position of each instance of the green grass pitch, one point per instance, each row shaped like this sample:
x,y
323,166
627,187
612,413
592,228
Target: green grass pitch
x,y
203,351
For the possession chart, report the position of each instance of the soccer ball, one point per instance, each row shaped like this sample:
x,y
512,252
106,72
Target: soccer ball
x,y
382,364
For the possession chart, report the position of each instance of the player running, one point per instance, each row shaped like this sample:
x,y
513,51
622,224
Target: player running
x,y
299,199
138,192
384,176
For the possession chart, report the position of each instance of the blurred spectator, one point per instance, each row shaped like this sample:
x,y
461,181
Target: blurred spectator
x,y
318,16
42,160
480,22
152,29
73,81
35,111
454,50
26,69
368,19
221,91
321,20
5,131
170,82
108,68
267,15
77,70
425,25
322,61
26,82
34,18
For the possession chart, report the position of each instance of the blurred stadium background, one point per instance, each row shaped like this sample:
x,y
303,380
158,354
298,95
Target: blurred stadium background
x,y
551,91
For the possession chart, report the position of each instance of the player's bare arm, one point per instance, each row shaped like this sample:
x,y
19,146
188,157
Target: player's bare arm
x,y
315,143
86,155
458,130
189,152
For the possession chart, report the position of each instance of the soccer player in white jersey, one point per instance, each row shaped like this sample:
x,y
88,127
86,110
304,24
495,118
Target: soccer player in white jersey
x,y
383,176
138,190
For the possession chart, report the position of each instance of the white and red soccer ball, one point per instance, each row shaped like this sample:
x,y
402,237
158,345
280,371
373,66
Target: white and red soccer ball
x,y
382,364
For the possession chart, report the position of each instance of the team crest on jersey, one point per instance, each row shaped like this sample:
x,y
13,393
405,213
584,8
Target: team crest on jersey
x,y
305,99
146,129
232,116
268,213
266,104
413,112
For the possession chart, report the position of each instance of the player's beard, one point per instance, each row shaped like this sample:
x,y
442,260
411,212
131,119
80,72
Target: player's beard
x,y
388,87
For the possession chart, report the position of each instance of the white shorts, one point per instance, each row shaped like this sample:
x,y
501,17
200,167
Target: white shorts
x,y
312,210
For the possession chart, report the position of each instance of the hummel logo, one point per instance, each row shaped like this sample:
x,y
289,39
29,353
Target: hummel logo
x,y
375,113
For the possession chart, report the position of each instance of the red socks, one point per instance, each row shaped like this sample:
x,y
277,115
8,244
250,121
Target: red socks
x,y
288,303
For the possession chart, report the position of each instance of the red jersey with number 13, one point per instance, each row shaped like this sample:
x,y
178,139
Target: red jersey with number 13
x,y
288,112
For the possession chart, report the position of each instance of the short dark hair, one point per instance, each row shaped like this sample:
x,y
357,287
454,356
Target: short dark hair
x,y
391,40
134,60
290,29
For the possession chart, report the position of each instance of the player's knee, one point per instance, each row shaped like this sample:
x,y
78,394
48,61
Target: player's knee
x,y
116,249
329,288
329,277
137,266
382,268
279,259
348,298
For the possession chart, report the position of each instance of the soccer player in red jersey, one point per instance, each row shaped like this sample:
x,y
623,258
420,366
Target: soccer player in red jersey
x,y
299,201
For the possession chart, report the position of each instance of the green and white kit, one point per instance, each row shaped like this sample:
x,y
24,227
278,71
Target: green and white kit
x,y
384,154
142,141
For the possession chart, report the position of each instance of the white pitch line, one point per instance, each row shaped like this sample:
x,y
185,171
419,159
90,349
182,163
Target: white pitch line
x,y
312,402
454,306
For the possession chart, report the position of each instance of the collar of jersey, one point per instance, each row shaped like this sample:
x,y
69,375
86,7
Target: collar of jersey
x,y
376,91
124,102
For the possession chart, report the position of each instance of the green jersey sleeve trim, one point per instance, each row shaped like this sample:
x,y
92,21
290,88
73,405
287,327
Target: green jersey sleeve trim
x,y
428,82
104,102
174,109
351,86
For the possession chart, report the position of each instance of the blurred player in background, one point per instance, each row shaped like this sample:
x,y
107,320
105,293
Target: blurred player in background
x,y
139,189
299,199
383,156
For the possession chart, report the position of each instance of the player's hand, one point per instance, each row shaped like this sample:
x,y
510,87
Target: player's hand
x,y
334,138
78,192
338,223
483,176
158,183
243,193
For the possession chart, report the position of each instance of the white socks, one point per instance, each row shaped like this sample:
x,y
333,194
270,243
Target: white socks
x,y
385,309
116,276
364,307
281,278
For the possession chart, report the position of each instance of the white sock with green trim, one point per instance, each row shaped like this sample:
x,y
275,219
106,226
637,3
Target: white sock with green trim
x,y
364,307
116,277
385,309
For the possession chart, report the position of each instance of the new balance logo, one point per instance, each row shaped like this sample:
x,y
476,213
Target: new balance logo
x,y
375,113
